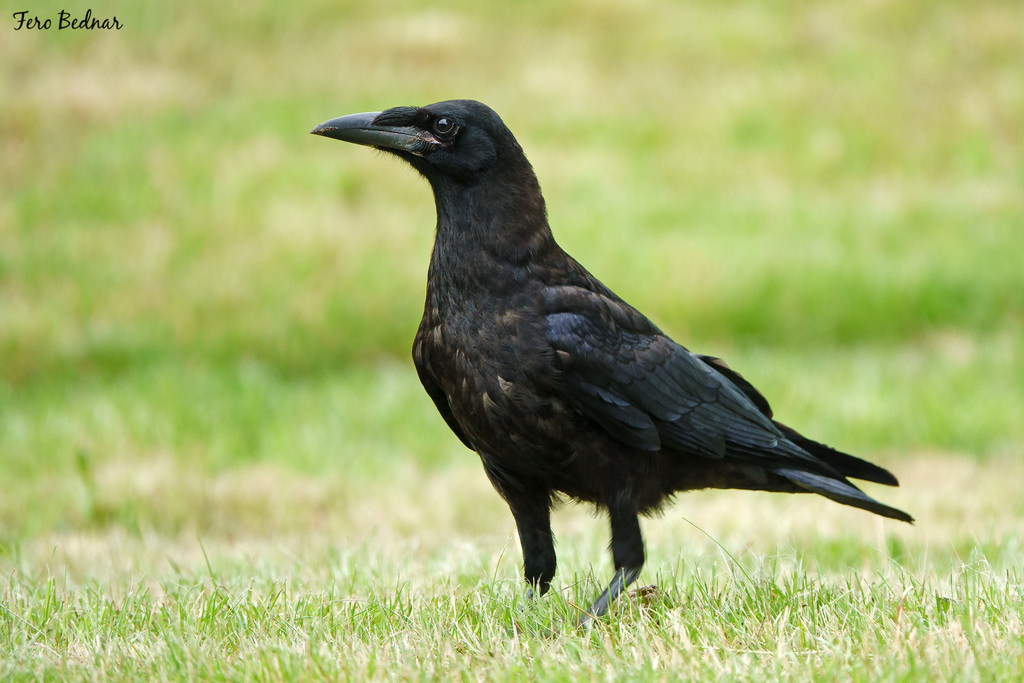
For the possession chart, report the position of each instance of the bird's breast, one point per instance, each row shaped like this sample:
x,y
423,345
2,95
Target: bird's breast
x,y
493,367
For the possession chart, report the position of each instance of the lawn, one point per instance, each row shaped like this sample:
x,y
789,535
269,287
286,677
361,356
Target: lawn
x,y
217,462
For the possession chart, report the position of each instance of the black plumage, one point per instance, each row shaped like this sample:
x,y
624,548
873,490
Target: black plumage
x,y
561,387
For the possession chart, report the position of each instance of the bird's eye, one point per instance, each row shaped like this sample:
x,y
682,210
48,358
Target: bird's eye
x,y
445,127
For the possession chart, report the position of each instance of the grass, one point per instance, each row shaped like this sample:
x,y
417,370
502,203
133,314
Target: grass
x,y
294,600
218,464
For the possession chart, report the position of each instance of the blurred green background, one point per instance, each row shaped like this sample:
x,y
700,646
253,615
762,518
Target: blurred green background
x,y
201,305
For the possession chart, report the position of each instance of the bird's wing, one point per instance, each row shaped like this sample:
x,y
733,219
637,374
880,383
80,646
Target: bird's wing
x,y
648,391
741,383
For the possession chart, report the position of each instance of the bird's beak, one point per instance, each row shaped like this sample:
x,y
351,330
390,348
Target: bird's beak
x,y
360,129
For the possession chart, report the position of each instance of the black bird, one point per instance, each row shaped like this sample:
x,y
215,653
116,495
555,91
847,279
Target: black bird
x,y
560,386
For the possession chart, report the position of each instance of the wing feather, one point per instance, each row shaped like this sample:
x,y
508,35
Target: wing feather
x,y
649,392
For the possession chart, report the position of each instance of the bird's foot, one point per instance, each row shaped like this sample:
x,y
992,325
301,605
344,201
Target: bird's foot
x,y
622,579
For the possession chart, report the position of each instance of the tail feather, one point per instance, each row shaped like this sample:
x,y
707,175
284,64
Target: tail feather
x,y
849,465
840,491
830,481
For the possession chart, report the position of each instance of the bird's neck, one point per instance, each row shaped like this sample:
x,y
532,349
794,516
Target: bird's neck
x,y
489,236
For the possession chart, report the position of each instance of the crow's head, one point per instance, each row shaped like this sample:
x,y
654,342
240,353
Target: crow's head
x,y
456,139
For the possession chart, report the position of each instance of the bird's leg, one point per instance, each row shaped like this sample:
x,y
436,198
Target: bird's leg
x,y
532,512
627,553
531,509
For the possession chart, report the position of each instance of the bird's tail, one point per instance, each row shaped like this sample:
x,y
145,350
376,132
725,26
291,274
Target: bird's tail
x,y
845,464
825,483
841,490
